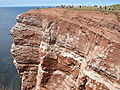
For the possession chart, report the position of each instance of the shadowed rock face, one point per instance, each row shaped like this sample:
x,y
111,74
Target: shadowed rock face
x,y
60,49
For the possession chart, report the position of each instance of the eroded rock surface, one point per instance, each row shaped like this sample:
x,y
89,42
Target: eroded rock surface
x,y
60,49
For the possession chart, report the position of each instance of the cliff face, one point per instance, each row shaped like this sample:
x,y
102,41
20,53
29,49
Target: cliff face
x,y
60,49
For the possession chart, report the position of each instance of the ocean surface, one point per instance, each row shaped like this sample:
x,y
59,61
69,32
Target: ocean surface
x,y
9,77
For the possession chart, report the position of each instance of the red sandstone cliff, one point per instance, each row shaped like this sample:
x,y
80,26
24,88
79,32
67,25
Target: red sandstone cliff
x,y
60,49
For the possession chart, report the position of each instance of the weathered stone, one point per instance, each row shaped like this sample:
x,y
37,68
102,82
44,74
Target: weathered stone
x,y
60,49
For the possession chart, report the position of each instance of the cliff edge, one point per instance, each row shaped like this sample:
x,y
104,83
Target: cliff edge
x,y
62,49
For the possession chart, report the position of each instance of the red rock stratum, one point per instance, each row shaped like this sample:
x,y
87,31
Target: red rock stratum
x,y
62,49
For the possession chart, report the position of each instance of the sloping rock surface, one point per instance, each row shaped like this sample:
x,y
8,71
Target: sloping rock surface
x,y
61,49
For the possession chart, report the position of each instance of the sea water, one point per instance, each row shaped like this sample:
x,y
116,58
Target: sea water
x,y
9,77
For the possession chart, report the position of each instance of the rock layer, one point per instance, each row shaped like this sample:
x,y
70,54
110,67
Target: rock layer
x,y
61,49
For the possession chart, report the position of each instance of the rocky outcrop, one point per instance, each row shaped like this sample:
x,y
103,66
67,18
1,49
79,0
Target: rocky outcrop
x,y
61,49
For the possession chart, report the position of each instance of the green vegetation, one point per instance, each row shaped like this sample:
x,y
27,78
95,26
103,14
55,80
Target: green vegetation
x,y
85,8
116,6
111,9
92,8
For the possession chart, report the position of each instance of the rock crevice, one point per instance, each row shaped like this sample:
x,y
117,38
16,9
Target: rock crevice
x,y
77,50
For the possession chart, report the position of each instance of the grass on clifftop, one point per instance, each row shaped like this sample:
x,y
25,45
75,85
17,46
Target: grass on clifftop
x,y
91,8
116,9
116,6
85,9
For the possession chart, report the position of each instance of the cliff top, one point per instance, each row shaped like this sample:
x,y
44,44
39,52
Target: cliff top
x,y
68,13
102,23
